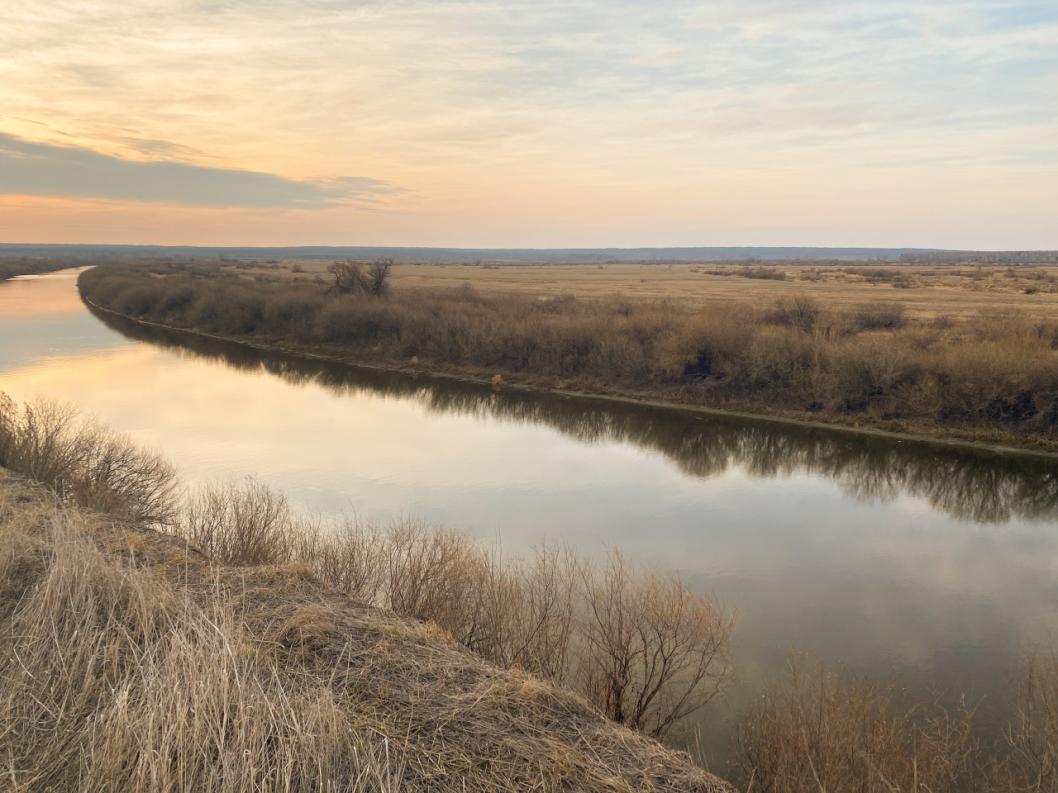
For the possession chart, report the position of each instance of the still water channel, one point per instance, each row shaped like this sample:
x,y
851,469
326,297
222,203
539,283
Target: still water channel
x,y
932,568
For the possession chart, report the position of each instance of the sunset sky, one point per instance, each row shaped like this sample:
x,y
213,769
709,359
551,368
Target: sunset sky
x,y
535,123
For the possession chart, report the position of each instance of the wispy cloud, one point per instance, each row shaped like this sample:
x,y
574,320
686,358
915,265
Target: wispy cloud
x,y
512,120
32,168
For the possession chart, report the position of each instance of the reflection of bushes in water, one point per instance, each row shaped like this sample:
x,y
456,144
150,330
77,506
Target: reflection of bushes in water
x,y
965,484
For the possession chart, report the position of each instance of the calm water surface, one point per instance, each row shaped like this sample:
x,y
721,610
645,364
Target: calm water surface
x,y
933,568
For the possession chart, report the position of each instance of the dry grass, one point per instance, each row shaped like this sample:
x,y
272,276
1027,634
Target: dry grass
x,y
926,291
871,364
541,615
131,662
640,646
815,733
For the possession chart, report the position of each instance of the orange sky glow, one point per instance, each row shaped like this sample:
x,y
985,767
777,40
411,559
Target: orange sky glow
x,y
502,123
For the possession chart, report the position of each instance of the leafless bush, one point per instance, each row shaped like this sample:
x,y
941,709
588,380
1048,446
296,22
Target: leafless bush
x,y
868,371
799,311
1032,736
654,652
378,277
642,647
242,523
814,733
431,575
84,461
878,316
763,273
350,277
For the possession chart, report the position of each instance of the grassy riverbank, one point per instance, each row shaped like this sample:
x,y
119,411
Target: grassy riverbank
x,y
10,268
232,645
992,380
133,659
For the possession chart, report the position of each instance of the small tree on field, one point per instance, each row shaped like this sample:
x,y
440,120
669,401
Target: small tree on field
x,y
378,277
349,278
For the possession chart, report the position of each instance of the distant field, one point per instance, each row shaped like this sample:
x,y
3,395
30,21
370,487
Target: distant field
x,y
925,290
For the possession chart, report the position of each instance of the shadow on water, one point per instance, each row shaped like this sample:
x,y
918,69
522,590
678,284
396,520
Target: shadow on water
x,y
967,484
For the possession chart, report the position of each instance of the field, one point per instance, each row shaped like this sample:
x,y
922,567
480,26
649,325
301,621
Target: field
x,y
927,291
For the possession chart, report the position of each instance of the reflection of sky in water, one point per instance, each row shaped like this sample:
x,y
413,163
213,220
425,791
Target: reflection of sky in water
x,y
43,317
863,554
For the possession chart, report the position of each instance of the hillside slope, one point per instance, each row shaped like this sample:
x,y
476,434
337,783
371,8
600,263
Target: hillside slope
x,y
131,662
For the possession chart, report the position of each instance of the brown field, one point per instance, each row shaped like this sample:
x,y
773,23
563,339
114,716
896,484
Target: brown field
x,y
926,291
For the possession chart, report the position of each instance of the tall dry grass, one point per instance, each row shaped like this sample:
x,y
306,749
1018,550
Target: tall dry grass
x,y
641,646
815,732
873,363
112,680
552,614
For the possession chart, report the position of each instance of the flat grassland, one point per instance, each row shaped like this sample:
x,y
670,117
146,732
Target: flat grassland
x,y
926,291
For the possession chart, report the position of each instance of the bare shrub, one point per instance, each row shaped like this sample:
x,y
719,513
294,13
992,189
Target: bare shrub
x,y
878,316
355,321
291,315
713,345
800,311
867,371
348,556
762,273
84,461
241,523
349,278
1032,736
653,652
815,733
525,612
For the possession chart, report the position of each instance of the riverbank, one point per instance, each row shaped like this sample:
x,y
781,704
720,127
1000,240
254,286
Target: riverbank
x,y
108,624
987,440
14,268
306,689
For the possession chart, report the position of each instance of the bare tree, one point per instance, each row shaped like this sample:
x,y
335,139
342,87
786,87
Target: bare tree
x,y
654,652
378,277
351,279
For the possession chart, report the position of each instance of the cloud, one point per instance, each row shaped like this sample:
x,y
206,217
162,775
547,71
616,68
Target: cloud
x,y
46,169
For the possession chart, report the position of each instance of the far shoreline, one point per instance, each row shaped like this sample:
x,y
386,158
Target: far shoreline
x,y
979,447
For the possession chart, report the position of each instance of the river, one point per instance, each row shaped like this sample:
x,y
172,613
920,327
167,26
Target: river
x,y
933,568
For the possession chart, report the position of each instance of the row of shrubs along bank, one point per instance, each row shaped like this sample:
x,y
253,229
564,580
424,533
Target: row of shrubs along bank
x,y
155,640
526,670
989,380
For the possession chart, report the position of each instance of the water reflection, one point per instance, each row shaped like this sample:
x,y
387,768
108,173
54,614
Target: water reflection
x,y
966,485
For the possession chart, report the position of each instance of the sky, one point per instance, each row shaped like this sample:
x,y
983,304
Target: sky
x,y
530,123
